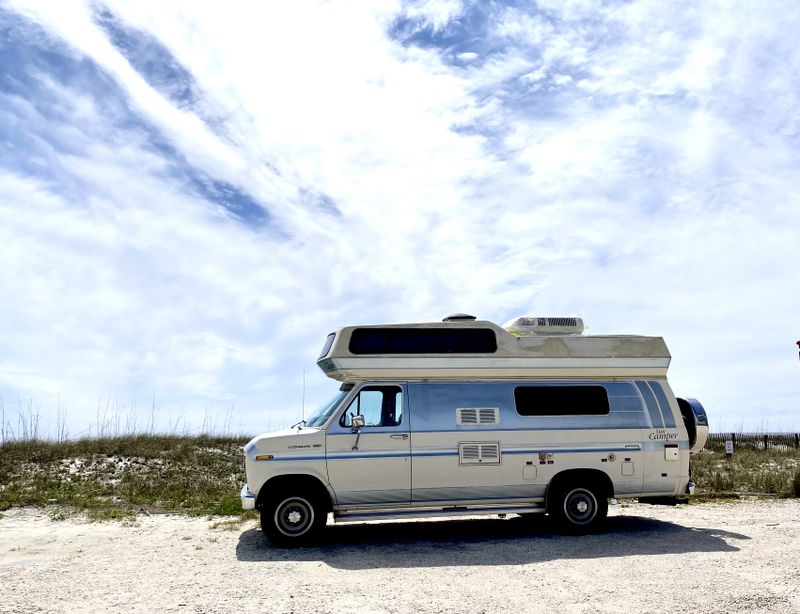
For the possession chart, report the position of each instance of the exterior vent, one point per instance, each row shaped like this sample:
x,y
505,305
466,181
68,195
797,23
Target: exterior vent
x,y
479,453
527,326
466,416
562,322
459,317
472,416
488,415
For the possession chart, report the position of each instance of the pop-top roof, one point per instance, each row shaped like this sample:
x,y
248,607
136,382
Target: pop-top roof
x,y
466,349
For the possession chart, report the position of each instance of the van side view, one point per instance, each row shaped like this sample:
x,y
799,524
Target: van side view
x,y
466,417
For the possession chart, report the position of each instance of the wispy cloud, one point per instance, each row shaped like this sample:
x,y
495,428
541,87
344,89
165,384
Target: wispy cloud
x,y
190,198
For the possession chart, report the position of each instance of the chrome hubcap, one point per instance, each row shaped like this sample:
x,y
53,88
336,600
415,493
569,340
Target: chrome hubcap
x,y
582,506
294,517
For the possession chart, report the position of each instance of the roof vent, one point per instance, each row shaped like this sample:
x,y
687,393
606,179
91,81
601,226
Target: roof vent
x,y
456,317
529,326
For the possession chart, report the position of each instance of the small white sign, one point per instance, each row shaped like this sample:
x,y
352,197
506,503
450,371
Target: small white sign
x,y
728,446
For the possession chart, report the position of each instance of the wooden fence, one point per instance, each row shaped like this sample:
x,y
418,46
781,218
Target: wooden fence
x,y
754,441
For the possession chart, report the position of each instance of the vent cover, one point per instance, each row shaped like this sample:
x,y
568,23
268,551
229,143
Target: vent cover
x,y
479,453
561,321
472,416
526,326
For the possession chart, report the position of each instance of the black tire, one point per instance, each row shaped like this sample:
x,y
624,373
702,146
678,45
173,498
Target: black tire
x,y
577,508
293,519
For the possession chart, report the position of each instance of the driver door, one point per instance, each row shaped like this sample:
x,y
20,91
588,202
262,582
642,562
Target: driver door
x,y
371,465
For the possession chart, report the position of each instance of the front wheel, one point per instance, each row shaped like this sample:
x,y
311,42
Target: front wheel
x,y
290,521
578,509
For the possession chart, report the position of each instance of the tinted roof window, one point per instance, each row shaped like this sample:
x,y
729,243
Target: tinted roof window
x,y
561,400
423,341
327,347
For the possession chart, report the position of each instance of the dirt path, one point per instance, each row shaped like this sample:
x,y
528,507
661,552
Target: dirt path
x,y
737,557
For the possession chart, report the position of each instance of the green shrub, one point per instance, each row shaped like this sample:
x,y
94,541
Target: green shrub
x,y
769,471
115,477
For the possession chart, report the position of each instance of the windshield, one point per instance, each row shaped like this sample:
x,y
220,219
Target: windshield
x,y
319,417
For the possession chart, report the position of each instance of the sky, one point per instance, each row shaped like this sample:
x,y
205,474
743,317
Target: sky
x,y
193,196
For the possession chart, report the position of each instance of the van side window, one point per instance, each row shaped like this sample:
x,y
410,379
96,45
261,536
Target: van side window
x,y
561,400
656,419
666,411
380,406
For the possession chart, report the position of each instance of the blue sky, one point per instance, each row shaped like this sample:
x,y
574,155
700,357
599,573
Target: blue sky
x,y
192,198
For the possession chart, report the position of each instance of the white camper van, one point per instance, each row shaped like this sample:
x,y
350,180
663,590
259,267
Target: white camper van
x,y
466,417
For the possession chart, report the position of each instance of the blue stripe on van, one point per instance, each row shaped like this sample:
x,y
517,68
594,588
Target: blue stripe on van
x,y
450,453
484,429
291,458
368,455
572,450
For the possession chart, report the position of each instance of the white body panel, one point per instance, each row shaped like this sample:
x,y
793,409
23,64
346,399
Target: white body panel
x,y
452,368
416,466
377,472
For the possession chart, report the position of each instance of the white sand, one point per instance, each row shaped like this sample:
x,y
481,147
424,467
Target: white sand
x,y
737,557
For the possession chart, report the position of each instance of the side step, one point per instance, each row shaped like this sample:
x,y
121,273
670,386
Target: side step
x,y
458,510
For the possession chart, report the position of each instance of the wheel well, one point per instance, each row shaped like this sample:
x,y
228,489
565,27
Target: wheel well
x,y
294,483
584,477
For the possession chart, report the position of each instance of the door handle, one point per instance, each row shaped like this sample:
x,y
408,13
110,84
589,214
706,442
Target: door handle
x,y
399,436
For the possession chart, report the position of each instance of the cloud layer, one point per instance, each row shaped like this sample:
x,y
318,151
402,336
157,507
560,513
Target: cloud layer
x,y
190,199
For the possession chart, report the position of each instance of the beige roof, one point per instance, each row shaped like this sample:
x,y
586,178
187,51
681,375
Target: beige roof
x,y
538,357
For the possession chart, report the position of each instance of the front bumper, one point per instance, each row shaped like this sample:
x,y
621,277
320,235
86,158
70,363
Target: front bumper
x,y
248,498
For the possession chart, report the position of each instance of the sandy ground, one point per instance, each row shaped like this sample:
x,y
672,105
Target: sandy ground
x,y
733,557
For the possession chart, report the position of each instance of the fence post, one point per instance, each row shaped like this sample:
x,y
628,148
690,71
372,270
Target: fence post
x,y
733,439
797,441
765,441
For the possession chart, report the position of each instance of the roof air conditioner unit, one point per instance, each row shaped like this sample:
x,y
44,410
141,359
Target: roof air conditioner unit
x,y
529,326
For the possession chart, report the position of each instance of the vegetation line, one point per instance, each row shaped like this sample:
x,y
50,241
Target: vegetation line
x,y
117,477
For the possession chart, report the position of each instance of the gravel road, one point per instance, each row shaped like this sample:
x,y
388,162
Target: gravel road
x,y
732,557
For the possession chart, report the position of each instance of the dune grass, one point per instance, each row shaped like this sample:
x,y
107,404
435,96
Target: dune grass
x,y
118,477
748,471
121,476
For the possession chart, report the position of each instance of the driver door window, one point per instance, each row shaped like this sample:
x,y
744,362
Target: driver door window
x,y
380,406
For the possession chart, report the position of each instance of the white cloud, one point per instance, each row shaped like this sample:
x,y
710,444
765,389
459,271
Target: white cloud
x,y
640,170
435,13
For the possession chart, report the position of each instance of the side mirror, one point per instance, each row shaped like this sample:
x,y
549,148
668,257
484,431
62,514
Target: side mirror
x,y
358,422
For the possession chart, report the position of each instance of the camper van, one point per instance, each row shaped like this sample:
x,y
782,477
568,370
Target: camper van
x,y
465,417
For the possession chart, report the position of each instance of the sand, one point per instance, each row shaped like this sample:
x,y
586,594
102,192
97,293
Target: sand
x,y
732,557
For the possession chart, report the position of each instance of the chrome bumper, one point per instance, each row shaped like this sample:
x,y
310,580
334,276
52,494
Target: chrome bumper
x,y
248,498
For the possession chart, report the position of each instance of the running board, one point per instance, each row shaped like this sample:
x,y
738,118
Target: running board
x,y
458,510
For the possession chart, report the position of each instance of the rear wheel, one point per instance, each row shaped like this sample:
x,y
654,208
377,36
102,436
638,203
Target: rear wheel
x,y
577,508
293,520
